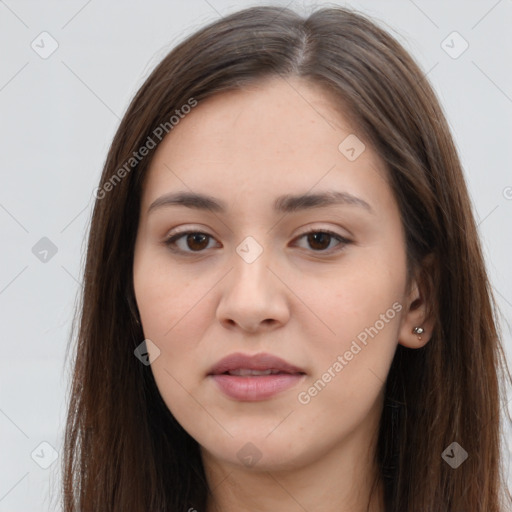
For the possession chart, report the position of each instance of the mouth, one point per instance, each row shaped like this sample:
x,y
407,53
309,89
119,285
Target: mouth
x,y
247,372
240,364
250,378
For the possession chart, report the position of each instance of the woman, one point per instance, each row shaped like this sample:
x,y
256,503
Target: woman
x,y
285,300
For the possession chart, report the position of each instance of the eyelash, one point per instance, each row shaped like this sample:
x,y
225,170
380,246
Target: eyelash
x,y
171,241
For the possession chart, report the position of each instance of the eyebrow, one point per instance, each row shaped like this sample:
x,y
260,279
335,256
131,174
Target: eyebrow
x,y
285,204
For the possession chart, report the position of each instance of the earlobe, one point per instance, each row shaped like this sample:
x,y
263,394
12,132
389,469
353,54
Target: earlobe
x,y
418,330
415,336
417,326
420,340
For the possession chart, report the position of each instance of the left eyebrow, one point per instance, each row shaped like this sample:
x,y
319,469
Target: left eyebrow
x,y
285,204
289,203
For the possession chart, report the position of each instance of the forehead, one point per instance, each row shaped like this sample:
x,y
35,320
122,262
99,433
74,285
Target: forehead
x,y
277,134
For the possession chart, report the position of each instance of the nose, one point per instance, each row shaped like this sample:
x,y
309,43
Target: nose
x,y
253,297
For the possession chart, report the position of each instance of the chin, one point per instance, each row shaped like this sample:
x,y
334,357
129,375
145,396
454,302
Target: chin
x,y
259,454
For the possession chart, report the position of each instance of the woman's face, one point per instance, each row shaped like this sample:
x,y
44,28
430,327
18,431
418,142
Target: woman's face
x,y
245,277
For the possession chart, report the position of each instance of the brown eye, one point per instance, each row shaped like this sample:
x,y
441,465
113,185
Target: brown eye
x,y
189,242
196,241
319,241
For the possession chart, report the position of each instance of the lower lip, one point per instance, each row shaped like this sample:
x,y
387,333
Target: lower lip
x,y
256,388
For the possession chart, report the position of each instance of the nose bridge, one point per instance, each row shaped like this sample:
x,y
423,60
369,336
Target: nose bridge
x,y
250,261
251,250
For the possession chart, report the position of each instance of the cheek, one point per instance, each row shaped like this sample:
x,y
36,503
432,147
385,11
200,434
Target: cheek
x,y
176,306
174,313
353,298
360,308
167,296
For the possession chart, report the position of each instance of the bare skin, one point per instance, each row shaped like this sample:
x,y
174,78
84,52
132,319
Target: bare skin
x,y
304,299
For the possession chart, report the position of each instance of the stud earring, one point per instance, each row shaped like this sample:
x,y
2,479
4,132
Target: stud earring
x,y
418,330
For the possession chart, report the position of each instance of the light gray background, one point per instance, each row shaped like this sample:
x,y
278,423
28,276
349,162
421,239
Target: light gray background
x,y
59,114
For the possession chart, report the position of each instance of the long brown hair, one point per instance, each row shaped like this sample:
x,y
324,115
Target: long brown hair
x,y
123,448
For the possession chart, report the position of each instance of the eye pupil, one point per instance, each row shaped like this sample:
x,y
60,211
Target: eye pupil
x,y
197,237
316,238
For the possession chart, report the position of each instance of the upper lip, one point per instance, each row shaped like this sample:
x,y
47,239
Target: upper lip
x,y
261,361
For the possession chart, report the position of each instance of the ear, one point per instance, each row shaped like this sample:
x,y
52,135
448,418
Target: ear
x,y
418,310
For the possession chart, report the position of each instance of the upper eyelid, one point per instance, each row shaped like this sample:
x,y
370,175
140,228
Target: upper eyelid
x,y
305,232
199,229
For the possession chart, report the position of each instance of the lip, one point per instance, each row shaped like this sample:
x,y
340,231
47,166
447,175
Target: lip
x,y
254,388
261,361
